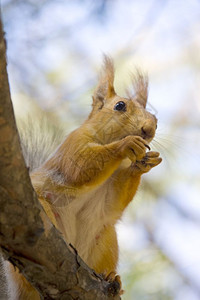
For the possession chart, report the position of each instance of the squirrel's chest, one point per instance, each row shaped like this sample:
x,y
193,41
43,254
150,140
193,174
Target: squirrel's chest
x,y
82,220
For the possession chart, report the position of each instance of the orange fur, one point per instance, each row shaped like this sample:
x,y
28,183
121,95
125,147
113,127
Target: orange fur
x,y
92,177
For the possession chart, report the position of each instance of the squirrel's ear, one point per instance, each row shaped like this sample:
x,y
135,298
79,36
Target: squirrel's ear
x,y
140,84
105,88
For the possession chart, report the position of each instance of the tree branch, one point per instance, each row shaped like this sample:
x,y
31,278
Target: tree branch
x,y
52,267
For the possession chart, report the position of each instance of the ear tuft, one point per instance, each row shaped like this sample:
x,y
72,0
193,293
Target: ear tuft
x,y
107,75
105,88
141,83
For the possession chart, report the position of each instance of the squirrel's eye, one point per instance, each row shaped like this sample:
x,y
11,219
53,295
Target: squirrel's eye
x,y
120,106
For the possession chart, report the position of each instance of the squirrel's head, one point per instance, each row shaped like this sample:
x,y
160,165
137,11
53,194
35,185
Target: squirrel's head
x,y
116,117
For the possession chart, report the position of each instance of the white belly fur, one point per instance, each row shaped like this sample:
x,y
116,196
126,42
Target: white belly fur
x,y
84,217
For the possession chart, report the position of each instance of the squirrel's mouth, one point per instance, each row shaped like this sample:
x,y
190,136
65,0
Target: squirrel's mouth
x,y
145,138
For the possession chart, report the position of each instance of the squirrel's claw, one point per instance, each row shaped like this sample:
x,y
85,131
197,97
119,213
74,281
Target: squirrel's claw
x,y
114,286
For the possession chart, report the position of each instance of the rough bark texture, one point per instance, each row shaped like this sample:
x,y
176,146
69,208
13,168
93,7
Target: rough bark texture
x,y
53,267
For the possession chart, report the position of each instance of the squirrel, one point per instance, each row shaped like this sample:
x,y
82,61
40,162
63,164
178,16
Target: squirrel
x,y
87,183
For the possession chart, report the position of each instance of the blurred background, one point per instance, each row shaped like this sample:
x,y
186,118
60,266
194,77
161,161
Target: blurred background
x,y
54,55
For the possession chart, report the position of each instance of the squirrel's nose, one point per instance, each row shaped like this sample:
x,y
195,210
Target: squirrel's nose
x,y
148,129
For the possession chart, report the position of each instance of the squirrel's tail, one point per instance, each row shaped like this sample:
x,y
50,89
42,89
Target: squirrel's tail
x,y
39,139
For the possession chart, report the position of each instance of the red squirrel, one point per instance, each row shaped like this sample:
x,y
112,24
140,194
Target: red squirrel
x,y
93,175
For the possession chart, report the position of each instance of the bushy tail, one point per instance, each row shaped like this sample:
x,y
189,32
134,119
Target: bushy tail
x,y
39,139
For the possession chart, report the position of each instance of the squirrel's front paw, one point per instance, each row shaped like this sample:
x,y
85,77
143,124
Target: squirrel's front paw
x,y
133,147
149,161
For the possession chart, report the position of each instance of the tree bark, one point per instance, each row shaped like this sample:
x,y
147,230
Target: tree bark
x,y
49,264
